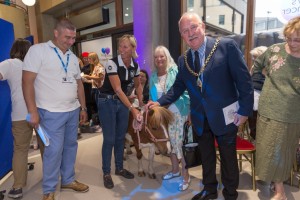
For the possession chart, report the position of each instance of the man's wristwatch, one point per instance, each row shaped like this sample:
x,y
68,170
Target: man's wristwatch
x,y
83,109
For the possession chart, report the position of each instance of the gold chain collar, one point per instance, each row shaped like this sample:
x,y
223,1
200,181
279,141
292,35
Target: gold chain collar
x,y
206,61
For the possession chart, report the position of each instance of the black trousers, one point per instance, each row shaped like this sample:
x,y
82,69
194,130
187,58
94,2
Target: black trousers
x,y
229,164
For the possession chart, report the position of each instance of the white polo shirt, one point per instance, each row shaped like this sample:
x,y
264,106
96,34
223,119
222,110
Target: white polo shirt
x,y
55,89
11,71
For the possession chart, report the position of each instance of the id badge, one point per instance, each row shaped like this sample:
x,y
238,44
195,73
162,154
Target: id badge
x,y
67,80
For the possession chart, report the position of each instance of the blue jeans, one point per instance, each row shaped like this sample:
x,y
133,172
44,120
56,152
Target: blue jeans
x,y
59,157
113,115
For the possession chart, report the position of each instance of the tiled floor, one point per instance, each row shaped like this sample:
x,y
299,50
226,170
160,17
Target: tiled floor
x,y
88,170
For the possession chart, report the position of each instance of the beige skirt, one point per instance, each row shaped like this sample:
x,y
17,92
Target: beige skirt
x,y
276,144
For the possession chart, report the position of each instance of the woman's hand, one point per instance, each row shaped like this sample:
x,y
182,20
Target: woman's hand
x,y
189,120
136,114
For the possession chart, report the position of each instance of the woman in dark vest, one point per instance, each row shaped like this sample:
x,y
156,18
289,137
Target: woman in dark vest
x,y
114,106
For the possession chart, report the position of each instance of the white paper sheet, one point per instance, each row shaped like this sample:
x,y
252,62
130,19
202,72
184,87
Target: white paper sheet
x,y
229,112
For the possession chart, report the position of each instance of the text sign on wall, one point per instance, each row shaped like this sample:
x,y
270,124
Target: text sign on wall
x,y
289,9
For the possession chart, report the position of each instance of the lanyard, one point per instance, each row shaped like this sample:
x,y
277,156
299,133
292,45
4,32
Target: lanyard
x,y
64,66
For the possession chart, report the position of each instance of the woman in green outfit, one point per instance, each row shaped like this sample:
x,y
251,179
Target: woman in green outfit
x,y
278,124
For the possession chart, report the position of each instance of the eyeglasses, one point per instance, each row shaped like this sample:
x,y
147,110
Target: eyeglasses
x,y
290,40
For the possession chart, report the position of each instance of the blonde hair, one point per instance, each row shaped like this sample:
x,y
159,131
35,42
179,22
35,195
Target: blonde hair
x,y
170,60
159,115
95,59
292,26
132,41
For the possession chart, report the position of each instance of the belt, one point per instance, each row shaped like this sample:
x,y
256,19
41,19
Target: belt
x,y
108,96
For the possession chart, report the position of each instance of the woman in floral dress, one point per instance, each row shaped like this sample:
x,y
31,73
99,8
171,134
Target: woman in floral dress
x,y
278,124
162,78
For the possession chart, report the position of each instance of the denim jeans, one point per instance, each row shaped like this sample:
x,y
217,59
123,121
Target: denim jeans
x,y
59,157
113,115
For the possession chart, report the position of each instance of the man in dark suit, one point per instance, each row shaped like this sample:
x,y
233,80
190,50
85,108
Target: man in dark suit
x,y
215,75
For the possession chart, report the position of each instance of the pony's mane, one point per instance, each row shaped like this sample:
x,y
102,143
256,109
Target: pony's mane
x,y
159,115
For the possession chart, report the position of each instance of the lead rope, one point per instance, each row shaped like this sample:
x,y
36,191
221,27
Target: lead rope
x,y
137,126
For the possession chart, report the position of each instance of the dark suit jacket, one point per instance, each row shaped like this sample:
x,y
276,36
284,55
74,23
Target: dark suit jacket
x,y
226,80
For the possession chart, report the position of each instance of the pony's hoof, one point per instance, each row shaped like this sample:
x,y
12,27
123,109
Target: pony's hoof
x,y
152,176
141,174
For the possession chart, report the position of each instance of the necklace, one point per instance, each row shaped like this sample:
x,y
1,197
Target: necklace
x,y
199,82
162,81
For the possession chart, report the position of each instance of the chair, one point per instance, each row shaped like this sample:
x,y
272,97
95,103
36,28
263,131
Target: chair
x,y
246,152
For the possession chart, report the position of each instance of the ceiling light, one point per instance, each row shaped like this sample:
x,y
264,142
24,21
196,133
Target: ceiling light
x,y
29,2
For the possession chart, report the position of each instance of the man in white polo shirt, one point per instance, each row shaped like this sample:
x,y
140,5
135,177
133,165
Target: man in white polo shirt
x,y
54,93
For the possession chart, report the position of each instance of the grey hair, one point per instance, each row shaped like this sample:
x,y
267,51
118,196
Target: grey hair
x,y
189,14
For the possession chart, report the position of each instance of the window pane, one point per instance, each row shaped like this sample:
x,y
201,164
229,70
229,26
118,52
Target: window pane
x,y
127,11
221,19
225,14
195,6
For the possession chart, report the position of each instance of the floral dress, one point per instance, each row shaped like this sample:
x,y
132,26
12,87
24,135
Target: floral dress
x,y
278,125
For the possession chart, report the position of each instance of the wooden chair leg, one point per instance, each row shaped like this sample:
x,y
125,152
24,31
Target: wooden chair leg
x,y
240,162
253,171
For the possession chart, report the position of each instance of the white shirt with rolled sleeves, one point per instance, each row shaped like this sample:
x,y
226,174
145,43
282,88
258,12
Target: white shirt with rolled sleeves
x,y
51,93
11,71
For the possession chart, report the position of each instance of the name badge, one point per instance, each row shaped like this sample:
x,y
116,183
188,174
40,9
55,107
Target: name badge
x,y
67,80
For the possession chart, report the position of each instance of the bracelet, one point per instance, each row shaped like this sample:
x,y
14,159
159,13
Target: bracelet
x,y
130,107
83,109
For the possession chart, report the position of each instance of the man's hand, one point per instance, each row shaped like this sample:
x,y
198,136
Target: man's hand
x,y
34,119
83,117
239,119
151,104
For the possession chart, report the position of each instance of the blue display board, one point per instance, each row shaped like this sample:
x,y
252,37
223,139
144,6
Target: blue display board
x,y
6,139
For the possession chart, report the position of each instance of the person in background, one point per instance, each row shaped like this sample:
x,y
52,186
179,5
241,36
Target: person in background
x,y
114,106
161,80
258,79
87,70
278,123
11,70
95,78
144,79
97,74
54,96
216,77
85,61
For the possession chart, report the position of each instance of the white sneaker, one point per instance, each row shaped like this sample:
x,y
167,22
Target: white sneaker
x,y
170,175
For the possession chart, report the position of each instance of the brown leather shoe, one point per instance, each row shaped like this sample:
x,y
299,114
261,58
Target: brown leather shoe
x,y
49,196
76,186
